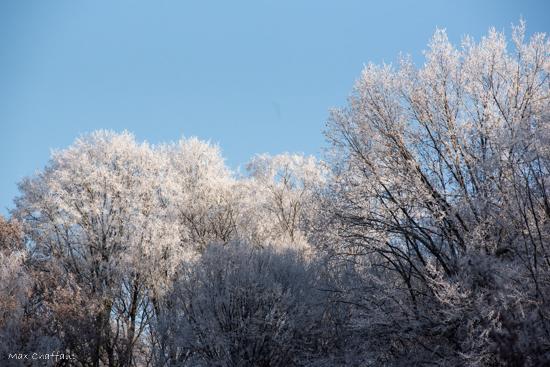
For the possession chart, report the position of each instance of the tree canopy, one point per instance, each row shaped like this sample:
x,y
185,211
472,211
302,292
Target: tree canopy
x,y
422,238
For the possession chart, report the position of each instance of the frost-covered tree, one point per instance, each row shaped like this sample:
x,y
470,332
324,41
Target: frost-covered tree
x,y
97,211
242,305
442,197
31,290
14,286
202,195
282,193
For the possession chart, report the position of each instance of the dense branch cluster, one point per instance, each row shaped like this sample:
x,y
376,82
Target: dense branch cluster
x,y
424,239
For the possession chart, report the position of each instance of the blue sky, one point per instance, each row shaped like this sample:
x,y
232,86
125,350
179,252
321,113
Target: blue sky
x,y
253,76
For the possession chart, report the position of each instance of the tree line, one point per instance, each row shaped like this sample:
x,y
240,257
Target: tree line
x,y
422,238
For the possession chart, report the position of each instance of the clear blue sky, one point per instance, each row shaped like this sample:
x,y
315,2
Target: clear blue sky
x,y
253,76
